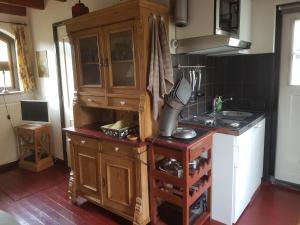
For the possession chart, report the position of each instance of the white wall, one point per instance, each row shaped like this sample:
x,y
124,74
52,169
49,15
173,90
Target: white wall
x,y
41,22
263,24
8,146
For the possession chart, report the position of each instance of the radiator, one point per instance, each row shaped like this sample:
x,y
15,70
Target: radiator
x,y
8,145
14,110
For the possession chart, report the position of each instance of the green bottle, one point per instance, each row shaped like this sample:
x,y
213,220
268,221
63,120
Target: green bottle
x,y
219,104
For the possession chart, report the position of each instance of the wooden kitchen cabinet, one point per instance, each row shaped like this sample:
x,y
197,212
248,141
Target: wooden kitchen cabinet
x,y
111,49
119,172
86,166
111,54
112,175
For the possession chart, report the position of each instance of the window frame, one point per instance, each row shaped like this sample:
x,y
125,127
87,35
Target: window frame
x,y
12,56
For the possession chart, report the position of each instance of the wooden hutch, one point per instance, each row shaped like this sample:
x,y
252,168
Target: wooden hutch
x,y
111,57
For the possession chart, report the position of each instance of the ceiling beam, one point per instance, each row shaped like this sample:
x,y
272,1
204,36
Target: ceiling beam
x,y
12,9
37,4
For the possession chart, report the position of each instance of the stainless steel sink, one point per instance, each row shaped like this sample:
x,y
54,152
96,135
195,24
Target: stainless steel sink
x,y
225,119
234,114
228,123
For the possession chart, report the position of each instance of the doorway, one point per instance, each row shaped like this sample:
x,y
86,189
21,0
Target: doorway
x,y
66,82
287,165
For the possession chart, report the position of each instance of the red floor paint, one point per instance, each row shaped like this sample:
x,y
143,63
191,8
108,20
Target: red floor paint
x,y
41,198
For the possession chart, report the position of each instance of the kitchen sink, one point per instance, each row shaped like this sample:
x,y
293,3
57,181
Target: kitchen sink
x,y
225,119
234,114
228,123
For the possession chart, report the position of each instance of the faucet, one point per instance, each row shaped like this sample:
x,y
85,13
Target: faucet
x,y
217,103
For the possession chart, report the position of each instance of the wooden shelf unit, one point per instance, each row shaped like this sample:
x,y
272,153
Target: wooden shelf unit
x,y
181,196
34,142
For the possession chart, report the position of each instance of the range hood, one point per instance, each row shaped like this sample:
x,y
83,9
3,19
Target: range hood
x,y
218,44
218,27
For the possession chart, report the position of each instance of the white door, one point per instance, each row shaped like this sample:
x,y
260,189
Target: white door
x,y
66,78
287,167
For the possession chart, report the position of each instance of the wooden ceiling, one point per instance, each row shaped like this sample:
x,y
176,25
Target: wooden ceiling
x,y
18,7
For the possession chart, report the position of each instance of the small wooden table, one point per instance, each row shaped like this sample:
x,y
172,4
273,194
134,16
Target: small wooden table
x,y
34,146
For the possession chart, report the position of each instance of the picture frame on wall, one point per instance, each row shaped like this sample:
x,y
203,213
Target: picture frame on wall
x,y
42,63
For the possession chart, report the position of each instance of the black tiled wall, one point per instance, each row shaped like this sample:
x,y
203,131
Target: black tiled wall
x,y
246,78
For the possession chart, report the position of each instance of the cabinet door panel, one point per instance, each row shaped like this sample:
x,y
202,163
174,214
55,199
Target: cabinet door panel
x,y
121,51
86,170
89,57
119,178
123,61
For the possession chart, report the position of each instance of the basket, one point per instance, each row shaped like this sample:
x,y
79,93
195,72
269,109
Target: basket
x,y
120,132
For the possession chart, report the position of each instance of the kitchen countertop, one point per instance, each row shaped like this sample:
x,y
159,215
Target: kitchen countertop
x,y
94,131
246,124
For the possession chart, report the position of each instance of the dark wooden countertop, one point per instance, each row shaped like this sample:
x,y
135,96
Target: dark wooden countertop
x,y
93,132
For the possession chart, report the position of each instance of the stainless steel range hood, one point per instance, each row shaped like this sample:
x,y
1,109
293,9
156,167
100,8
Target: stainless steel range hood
x,y
218,44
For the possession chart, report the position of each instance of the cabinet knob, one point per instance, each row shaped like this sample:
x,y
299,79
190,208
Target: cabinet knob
x,y
122,102
89,100
69,139
82,142
117,149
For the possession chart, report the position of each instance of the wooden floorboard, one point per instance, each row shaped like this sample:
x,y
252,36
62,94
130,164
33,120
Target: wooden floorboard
x,y
42,199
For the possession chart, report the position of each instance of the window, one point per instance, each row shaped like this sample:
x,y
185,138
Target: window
x,y
8,62
295,67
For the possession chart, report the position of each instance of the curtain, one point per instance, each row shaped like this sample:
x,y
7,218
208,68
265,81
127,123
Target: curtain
x,y
23,57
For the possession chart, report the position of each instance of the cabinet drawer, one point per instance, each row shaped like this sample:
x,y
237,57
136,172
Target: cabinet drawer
x,y
126,103
119,149
84,141
198,149
92,101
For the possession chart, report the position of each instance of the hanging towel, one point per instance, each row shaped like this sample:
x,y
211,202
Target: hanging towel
x,y
161,72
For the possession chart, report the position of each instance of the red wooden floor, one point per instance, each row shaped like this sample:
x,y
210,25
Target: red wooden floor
x,y
41,198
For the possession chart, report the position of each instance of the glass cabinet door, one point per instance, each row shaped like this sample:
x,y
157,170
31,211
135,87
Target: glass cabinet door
x,y
89,60
121,50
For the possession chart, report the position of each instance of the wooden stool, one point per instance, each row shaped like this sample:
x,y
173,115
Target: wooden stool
x,y
34,145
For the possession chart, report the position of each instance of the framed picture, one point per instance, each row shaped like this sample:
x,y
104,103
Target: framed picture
x,y
42,63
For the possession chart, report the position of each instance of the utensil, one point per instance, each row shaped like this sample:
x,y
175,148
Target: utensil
x,y
199,82
194,80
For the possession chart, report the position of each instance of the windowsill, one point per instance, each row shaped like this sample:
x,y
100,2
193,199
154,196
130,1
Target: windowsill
x,y
12,92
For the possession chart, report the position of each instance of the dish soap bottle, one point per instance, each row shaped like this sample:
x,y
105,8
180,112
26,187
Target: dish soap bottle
x,y
219,104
